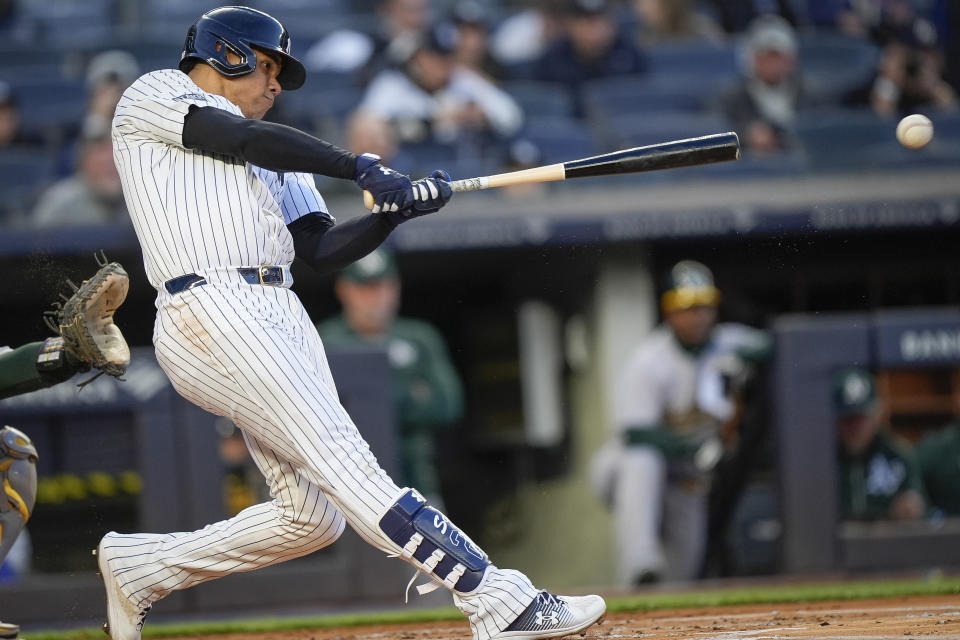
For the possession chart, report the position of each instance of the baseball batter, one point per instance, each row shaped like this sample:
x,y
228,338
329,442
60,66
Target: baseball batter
x,y
670,407
221,203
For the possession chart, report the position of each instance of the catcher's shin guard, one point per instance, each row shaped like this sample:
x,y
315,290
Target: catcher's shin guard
x,y
433,543
18,473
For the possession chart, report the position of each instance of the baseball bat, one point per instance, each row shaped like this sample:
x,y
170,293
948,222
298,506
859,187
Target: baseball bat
x,y
719,147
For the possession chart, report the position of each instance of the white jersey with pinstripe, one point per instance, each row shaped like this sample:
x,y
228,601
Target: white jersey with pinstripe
x,y
251,353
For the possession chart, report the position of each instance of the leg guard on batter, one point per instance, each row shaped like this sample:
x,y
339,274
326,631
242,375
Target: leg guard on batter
x,y
18,475
438,547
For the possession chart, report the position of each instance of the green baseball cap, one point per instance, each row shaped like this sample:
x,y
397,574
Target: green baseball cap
x,y
854,392
377,265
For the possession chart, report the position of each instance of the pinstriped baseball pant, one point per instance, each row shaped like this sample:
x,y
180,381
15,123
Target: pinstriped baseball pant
x,y
251,353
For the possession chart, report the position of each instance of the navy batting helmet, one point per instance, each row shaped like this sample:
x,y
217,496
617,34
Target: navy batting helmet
x,y
239,29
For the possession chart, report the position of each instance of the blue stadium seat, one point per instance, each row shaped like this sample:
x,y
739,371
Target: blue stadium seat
x,y
47,102
24,173
834,65
844,139
459,160
702,58
322,103
946,125
611,97
560,139
541,99
70,23
656,127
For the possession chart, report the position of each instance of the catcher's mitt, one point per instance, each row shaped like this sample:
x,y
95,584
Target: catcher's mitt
x,y
85,320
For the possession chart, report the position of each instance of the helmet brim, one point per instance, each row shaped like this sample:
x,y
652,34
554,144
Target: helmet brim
x,y
292,73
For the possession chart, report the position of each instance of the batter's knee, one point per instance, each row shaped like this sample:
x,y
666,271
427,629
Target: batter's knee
x,y
316,529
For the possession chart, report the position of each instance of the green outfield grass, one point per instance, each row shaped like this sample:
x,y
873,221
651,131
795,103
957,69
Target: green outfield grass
x,y
707,597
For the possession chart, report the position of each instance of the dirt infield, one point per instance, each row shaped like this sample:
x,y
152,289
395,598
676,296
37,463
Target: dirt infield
x,y
911,617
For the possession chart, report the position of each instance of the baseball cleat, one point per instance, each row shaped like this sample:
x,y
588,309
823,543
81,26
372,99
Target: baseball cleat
x,y
8,630
124,619
552,616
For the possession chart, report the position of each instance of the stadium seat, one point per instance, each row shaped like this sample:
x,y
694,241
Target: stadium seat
x,y
322,104
655,127
703,58
50,102
560,139
24,173
70,23
541,99
843,139
834,65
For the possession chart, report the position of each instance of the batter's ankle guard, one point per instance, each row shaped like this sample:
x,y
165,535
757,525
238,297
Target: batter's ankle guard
x,y
427,537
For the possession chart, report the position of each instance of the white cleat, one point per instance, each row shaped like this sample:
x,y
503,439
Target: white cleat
x,y
552,616
124,619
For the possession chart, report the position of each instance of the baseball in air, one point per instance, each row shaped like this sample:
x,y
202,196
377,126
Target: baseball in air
x,y
915,131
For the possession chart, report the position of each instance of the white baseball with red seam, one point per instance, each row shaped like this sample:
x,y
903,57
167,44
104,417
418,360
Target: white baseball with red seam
x,y
915,131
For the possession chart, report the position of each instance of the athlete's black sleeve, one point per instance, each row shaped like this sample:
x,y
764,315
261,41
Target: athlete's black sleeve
x,y
329,247
265,144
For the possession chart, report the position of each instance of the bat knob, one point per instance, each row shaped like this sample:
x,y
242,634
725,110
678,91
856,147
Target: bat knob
x,y
368,200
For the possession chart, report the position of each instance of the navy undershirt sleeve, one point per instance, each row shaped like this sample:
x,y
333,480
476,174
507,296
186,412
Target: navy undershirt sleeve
x,y
329,247
265,144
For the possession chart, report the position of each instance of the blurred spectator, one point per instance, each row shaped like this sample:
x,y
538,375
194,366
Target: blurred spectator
x,y
763,105
878,477
428,394
366,54
674,21
473,39
431,99
12,133
369,133
523,37
938,455
91,197
675,413
911,68
108,75
736,16
591,47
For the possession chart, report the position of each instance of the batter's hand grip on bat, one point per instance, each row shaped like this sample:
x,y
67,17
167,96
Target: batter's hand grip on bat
x,y
368,200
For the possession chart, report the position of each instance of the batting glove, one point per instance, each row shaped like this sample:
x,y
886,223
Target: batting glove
x,y
429,196
392,191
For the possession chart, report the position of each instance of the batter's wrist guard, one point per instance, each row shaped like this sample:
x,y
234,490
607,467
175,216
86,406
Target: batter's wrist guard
x,y
429,540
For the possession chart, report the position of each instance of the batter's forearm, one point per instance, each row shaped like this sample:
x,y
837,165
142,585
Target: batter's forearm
x,y
330,248
265,144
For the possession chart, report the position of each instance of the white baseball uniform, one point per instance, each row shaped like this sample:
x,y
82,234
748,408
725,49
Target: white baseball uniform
x,y
249,352
661,508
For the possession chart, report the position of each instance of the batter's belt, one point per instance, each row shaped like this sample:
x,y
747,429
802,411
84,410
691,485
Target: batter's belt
x,y
267,275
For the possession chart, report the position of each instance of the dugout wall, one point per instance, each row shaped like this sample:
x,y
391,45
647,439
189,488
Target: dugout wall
x,y
809,348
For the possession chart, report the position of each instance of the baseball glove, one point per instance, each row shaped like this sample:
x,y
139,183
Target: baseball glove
x,y
85,320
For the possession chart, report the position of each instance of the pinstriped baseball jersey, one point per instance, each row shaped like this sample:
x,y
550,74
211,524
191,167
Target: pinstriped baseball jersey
x,y
196,211
251,353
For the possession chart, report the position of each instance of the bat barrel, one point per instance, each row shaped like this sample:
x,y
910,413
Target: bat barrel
x,y
721,147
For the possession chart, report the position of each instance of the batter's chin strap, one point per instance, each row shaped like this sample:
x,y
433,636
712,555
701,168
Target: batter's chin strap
x,y
434,545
